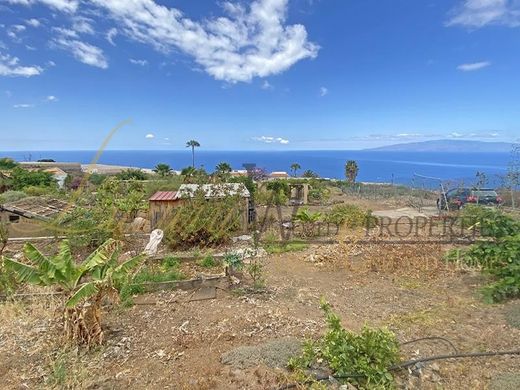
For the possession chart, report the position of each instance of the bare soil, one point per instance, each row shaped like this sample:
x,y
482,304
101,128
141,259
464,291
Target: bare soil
x,y
166,341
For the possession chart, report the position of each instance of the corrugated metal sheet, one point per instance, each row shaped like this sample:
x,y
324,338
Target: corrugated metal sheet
x,y
164,196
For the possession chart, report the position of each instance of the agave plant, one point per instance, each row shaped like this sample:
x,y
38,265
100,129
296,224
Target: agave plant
x,y
85,284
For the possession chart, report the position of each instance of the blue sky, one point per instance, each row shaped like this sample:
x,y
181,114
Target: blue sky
x,y
263,74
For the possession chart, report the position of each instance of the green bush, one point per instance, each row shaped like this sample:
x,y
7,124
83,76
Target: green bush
x,y
204,223
350,216
208,262
11,196
367,355
497,252
22,178
7,163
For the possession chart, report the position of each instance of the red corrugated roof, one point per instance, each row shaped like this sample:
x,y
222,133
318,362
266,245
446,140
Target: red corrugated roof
x,y
164,195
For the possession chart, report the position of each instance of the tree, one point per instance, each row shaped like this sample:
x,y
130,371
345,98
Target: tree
x,y
192,144
295,167
7,163
308,219
132,174
223,168
22,178
163,170
310,174
188,173
513,172
351,171
481,179
85,285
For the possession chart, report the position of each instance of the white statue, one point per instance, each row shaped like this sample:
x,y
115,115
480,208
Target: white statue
x,y
156,237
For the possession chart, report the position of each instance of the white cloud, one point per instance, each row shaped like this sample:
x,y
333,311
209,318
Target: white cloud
x,y
473,66
9,66
266,85
323,91
68,6
138,62
82,25
479,13
83,52
149,136
51,63
251,42
271,140
23,105
111,34
51,98
33,22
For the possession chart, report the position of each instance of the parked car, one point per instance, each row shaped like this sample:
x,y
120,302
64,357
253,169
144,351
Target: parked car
x,y
456,198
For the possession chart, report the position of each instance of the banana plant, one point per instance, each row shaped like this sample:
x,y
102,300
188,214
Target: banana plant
x,y
85,284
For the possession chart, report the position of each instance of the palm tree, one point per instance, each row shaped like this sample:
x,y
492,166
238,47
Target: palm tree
x,y
351,171
163,170
295,167
310,174
188,173
223,168
192,144
85,284
308,219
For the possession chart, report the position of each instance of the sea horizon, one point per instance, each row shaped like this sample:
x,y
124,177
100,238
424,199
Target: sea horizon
x,y
375,165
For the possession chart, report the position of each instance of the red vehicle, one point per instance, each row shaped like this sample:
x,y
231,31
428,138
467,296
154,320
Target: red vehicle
x,y
456,198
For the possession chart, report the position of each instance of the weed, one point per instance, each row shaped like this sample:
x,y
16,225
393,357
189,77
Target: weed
x,y
365,356
208,262
255,269
284,247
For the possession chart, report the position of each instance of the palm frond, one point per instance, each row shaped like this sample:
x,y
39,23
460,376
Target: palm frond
x,y
87,290
26,273
128,265
35,256
101,255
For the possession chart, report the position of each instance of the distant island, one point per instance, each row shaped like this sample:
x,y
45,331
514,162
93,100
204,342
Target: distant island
x,y
447,145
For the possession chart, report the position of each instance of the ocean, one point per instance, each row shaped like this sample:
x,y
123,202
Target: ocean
x,y
374,166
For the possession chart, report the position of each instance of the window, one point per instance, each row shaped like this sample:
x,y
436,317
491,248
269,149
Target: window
x,y
14,218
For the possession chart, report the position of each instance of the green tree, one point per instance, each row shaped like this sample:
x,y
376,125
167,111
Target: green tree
x,y
310,174
192,144
132,174
223,168
22,178
308,219
294,168
188,173
163,170
7,163
85,285
351,171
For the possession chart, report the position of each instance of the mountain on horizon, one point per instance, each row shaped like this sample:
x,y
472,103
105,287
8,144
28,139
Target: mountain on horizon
x,y
448,145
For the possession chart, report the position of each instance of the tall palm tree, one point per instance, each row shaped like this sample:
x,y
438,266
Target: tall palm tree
x,y
192,144
295,167
351,171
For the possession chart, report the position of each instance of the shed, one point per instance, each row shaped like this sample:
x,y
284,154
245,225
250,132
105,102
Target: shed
x,y
162,203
